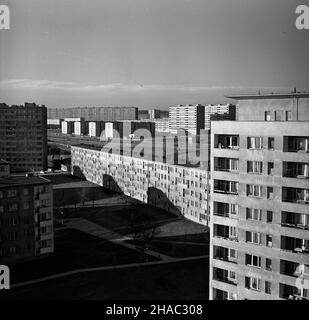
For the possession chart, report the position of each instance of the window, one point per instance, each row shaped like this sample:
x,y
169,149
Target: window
x,y
26,192
254,190
268,264
269,216
253,237
253,283
271,143
254,261
270,193
12,193
233,232
26,205
288,115
255,167
255,142
267,287
232,253
254,214
269,240
267,115
278,115
270,168
232,275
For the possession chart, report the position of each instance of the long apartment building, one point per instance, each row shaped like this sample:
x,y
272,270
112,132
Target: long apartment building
x,y
259,204
94,113
26,218
23,137
178,189
188,117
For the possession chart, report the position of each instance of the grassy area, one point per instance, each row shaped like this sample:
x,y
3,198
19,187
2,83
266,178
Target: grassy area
x,y
74,250
178,280
123,218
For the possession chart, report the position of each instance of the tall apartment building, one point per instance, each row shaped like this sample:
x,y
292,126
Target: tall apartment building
x,y
26,218
178,189
219,112
23,137
259,204
188,117
94,113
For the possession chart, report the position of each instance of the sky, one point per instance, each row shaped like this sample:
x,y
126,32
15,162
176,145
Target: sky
x,y
150,53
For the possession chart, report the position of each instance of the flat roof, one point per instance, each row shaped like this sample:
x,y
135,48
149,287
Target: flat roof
x,y
11,181
269,96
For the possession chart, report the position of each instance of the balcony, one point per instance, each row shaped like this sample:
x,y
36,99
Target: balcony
x,y
295,245
226,187
225,276
293,269
296,144
227,141
227,210
295,220
225,232
226,164
296,170
295,195
225,254
292,293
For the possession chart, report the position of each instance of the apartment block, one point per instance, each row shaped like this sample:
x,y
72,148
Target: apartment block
x,y
259,208
177,189
96,128
23,137
26,218
219,112
94,113
187,117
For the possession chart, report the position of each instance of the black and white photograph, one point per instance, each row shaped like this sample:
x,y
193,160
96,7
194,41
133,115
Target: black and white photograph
x,y
154,151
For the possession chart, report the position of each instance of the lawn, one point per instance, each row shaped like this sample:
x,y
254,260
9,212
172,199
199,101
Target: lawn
x,y
123,218
178,280
74,250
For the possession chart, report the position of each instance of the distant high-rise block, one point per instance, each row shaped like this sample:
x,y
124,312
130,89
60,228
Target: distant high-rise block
x,y
94,113
188,117
23,137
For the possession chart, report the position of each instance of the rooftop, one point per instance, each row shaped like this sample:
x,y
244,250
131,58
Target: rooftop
x,y
269,96
22,181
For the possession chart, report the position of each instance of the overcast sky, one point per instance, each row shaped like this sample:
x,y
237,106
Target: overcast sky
x,y
149,53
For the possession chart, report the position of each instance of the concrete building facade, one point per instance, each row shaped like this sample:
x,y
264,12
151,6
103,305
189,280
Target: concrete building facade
x,y
188,117
94,113
23,137
177,189
26,218
259,208
219,112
